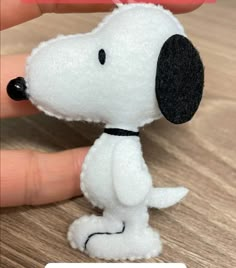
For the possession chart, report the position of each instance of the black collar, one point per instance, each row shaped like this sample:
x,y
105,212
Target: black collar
x,y
120,132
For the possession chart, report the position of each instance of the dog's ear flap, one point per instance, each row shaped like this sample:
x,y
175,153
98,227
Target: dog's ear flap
x,y
179,79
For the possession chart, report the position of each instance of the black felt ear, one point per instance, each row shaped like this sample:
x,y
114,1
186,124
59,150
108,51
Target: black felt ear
x,y
179,79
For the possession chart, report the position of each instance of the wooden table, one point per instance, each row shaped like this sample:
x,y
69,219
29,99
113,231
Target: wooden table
x,y
200,231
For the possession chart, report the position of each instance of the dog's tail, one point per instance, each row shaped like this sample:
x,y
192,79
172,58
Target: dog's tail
x,y
166,197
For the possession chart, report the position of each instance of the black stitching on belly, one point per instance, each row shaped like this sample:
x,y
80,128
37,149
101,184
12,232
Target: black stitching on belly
x,y
105,233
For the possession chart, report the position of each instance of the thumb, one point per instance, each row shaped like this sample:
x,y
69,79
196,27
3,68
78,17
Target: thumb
x,y
33,178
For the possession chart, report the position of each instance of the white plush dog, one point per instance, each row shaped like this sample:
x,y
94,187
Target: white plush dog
x,y
135,67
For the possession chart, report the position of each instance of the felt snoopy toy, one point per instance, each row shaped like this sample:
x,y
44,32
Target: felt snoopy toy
x,y
135,67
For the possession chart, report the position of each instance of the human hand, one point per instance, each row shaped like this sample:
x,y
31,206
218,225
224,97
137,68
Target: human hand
x,y
29,177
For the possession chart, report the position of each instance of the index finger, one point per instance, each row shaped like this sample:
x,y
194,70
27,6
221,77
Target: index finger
x,y
16,11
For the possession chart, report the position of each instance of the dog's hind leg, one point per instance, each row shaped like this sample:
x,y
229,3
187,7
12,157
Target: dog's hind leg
x,y
85,228
135,240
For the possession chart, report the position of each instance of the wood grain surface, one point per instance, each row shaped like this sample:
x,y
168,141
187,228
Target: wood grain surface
x,y
200,155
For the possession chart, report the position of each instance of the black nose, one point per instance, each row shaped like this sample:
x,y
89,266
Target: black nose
x,y
16,89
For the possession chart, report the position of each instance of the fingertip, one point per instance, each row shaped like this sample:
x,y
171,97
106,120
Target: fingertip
x,y
55,177
13,66
34,178
182,8
76,8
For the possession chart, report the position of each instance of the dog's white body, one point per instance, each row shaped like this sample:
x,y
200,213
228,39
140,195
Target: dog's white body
x,y
125,192
108,166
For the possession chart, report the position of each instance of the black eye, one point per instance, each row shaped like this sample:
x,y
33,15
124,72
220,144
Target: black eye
x,y
102,56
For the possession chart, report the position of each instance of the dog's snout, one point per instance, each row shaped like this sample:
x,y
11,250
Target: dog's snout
x,y
16,89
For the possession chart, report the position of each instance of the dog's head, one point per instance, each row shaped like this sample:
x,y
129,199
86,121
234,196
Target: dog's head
x,y
136,66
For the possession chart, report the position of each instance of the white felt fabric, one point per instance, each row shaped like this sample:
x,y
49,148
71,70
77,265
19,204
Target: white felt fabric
x,y
137,241
115,178
65,79
128,153
166,197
